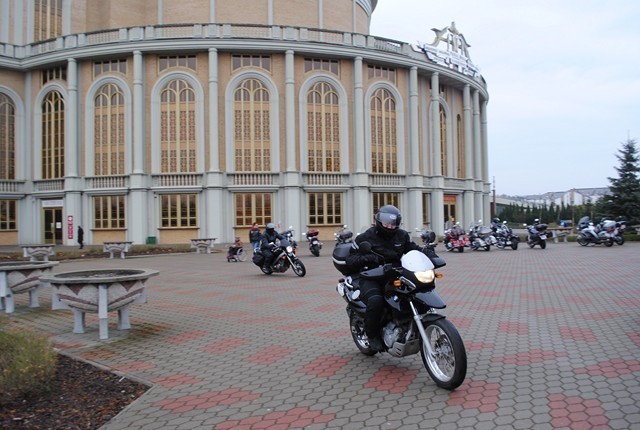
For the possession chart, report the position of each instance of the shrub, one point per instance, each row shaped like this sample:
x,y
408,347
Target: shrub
x,y
27,365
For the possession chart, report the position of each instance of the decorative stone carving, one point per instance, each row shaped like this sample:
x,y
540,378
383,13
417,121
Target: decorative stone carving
x,y
120,246
18,277
204,245
99,291
38,252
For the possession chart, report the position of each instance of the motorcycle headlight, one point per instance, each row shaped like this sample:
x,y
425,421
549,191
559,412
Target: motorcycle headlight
x,y
426,277
289,249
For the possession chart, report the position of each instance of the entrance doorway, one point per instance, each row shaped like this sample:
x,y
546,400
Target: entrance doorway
x,y
52,218
450,209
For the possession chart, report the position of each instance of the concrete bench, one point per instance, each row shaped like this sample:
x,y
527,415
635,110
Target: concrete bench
x,y
38,252
116,246
18,277
203,245
557,233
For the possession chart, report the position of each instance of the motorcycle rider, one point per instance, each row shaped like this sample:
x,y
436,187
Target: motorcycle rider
x,y
267,240
388,244
495,224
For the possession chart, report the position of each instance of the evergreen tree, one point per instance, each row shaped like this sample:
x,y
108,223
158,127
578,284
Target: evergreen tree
x,y
624,200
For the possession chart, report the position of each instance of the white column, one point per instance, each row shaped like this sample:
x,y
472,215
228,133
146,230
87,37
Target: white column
x,y
477,158
214,122
483,141
435,124
468,210
290,115
358,116
71,120
138,114
4,21
212,10
414,181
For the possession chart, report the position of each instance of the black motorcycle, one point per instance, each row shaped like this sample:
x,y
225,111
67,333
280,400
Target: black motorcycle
x,y
536,234
285,257
314,244
506,237
410,321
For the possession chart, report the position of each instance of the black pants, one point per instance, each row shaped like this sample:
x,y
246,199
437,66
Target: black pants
x,y
268,257
372,293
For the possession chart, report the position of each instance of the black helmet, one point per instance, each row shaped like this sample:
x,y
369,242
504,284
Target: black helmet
x,y
270,227
388,219
428,236
496,220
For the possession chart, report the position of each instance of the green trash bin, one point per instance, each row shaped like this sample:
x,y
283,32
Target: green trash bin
x,y
151,240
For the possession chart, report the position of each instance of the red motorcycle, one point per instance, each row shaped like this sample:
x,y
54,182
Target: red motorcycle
x,y
455,239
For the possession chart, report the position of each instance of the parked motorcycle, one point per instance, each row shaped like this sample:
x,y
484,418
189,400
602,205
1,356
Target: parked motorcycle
x,y
455,239
479,236
536,234
288,234
285,257
618,234
410,321
505,237
591,234
343,235
314,244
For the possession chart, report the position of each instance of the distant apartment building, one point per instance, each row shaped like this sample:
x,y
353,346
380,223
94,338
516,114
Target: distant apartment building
x,y
162,121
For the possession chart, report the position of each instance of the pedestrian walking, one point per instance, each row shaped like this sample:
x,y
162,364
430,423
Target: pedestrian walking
x,y
81,237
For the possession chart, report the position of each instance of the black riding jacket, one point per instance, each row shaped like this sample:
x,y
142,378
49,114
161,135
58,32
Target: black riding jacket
x,y
267,238
392,248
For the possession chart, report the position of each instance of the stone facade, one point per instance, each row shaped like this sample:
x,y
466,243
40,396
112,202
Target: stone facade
x,y
437,134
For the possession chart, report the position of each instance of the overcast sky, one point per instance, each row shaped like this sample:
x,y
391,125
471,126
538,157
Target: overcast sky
x,y
563,79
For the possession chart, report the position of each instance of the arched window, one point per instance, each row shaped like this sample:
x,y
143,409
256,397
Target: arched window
x,y
443,142
109,131
462,161
53,136
47,22
178,127
384,141
323,128
252,132
7,138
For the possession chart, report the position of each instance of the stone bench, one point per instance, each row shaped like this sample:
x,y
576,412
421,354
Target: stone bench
x,y
203,245
99,291
557,233
18,277
38,252
116,246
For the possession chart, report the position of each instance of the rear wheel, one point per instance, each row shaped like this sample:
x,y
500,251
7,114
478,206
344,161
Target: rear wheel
x,y
619,240
298,268
315,250
514,245
443,354
608,243
543,244
358,335
461,249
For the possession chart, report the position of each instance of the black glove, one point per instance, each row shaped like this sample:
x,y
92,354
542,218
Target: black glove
x,y
371,260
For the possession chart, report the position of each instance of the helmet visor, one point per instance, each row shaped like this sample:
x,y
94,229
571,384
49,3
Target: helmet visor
x,y
387,220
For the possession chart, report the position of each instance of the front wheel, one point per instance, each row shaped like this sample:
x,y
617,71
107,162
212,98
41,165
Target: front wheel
x,y
608,243
241,255
359,336
514,245
619,240
461,249
298,268
582,241
443,354
543,244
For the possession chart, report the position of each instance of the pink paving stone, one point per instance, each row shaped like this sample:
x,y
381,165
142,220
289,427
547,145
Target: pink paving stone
x,y
467,396
575,333
273,319
186,337
134,366
497,307
577,413
224,345
269,355
332,334
176,380
635,338
548,311
292,305
475,346
325,366
578,299
326,308
262,300
612,368
206,400
301,326
529,296
392,379
513,328
463,322
603,316
628,302
527,357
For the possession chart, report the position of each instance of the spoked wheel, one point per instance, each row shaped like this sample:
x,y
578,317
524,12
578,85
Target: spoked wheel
x,y
241,255
298,268
444,355
359,337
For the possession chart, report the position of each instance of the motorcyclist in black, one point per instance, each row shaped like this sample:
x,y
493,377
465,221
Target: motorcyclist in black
x,y
388,244
267,240
495,224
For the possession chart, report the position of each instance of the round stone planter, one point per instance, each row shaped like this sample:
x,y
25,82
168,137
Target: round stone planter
x,y
17,277
99,291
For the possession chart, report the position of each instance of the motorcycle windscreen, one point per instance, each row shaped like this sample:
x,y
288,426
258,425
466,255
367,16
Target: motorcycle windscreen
x,y
416,261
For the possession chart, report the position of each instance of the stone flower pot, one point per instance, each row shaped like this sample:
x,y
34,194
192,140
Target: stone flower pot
x,y
17,277
99,291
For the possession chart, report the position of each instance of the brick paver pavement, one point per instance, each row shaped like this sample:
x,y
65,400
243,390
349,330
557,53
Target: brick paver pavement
x,y
552,341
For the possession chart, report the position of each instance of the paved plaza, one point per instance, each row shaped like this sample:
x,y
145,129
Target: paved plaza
x,y
552,341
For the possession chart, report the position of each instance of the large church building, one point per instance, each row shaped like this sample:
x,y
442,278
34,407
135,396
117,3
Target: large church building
x,y
159,121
